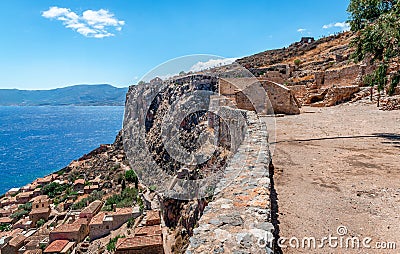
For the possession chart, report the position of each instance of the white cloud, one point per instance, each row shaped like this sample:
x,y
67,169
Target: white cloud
x,y
54,12
211,63
96,24
344,26
301,30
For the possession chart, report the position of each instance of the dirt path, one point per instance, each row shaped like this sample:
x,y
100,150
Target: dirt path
x,y
339,166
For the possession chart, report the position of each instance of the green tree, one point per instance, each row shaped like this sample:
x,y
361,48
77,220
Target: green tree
x,y
40,223
364,12
19,214
26,207
131,177
5,227
126,199
53,189
113,241
131,222
95,195
376,24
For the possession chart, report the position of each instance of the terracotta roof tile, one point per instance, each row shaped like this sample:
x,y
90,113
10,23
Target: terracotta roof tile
x,y
138,241
45,179
25,194
81,221
98,218
153,215
12,233
79,181
56,246
16,231
5,220
32,243
38,251
119,211
148,230
40,198
17,240
40,210
95,205
74,227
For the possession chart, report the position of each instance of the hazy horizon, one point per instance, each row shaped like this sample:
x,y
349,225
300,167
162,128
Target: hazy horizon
x,y
53,88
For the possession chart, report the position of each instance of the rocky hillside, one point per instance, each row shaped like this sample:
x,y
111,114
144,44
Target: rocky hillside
x,y
320,55
319,72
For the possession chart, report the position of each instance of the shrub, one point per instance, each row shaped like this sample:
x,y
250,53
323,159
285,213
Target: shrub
x,y
139,201
115,166
53,189
42,246
95,195
113,241
297,62
125,199
5,227
26,207
19,214
131,222
40,223
130,176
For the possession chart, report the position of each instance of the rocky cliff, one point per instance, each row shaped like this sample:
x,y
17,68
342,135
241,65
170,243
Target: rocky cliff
x,y
183,139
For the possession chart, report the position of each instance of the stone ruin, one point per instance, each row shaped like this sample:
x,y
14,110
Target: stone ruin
x,y
323,79
307,39
280,99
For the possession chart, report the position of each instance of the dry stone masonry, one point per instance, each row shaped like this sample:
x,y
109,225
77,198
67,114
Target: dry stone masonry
x,y
238,220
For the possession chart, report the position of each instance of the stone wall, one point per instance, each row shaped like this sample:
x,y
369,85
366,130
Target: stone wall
x,y
243,102
336,95
340,77
246,94
299,91
238,220
104,222
282,98
74,235
229,126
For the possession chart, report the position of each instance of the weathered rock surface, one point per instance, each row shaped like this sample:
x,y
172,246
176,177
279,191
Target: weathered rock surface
x,y
333,96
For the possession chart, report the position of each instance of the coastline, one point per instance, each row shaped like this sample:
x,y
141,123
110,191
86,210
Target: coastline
x,y
39,140
52,175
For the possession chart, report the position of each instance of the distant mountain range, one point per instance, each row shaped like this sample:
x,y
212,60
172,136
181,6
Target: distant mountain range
x,y
79,95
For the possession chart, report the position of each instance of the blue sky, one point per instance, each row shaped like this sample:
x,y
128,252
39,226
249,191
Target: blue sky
x,y
119,41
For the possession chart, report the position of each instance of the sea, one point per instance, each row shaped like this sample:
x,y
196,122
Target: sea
x,y
38,140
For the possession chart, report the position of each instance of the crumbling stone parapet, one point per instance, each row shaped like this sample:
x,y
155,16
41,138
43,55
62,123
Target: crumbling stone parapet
x,y
238,220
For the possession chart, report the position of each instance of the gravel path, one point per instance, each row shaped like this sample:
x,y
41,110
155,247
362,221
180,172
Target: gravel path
x,y
339,166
